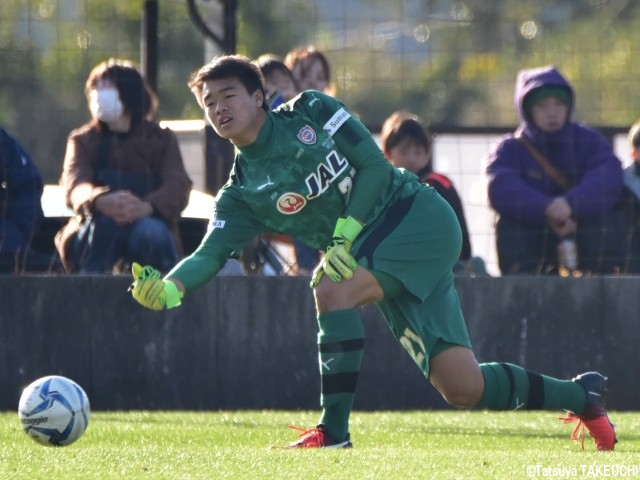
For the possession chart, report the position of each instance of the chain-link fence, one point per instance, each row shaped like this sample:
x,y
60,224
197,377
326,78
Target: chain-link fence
x,y
451,62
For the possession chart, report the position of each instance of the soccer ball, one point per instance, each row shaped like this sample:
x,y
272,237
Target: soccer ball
x,y
54,410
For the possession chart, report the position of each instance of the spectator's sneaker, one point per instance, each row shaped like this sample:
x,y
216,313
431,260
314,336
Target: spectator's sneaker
x,y
594,416
317,438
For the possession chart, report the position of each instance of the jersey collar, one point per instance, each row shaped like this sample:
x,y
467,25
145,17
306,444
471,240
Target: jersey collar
x,y
260,148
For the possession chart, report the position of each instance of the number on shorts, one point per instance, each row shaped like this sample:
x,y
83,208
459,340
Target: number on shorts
x,y
414,345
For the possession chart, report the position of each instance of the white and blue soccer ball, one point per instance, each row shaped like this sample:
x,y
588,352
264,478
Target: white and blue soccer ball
x,y
54,410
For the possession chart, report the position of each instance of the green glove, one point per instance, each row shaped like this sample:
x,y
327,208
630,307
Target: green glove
x,y
338,264
151,291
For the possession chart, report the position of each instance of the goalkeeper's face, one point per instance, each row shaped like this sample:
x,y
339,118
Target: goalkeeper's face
x,y
234,113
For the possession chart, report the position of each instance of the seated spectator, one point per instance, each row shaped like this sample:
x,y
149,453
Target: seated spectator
x,y
20,209
632,184
311,69
123,174
555,180
279,84
407,144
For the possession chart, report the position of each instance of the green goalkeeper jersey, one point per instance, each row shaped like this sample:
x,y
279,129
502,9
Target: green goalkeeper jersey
x,y
312,162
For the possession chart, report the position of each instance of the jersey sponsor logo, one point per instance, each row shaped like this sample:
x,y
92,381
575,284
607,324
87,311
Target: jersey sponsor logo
x,y
290,203
307,135
314,99
214,224
319,181
335,122
268,183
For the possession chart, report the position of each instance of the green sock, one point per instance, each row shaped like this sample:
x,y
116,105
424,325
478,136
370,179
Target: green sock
x,y
341,345
510,387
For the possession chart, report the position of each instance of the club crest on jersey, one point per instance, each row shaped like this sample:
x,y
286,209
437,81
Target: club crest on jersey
x,y
290,203
307,136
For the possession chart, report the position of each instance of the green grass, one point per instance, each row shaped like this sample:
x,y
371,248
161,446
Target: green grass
x,y
387,445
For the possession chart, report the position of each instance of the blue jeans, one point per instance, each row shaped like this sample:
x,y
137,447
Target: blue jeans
x,y
147,241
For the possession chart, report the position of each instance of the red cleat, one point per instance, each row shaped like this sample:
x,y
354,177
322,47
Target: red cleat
x,y
317,438
594,416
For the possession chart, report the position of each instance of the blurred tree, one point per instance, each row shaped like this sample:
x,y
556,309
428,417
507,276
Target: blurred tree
x,y
270,27
47,49
452,61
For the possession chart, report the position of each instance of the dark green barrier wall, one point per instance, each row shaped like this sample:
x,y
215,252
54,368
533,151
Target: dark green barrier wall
x,y
249,342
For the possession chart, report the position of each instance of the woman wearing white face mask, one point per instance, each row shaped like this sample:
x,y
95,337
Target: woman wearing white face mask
x,y
124,176
105,104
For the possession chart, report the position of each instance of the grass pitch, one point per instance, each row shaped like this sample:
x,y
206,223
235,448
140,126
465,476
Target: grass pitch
x,y
387,445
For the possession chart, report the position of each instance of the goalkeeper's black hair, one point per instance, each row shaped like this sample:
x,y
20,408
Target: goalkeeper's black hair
x,y
226,66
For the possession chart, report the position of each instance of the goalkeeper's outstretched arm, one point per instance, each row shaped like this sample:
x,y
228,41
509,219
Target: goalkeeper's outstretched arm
x,y
156,293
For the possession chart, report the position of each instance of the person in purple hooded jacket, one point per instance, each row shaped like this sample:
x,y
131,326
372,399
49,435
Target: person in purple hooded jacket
x,y
575,196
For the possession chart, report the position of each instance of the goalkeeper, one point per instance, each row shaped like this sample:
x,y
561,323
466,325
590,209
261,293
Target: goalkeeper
x,y
311,170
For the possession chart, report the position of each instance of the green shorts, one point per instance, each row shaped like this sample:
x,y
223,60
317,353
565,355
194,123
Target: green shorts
x,y
411,250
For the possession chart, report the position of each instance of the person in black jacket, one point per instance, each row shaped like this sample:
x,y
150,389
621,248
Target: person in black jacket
x,y
20,208
407,144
